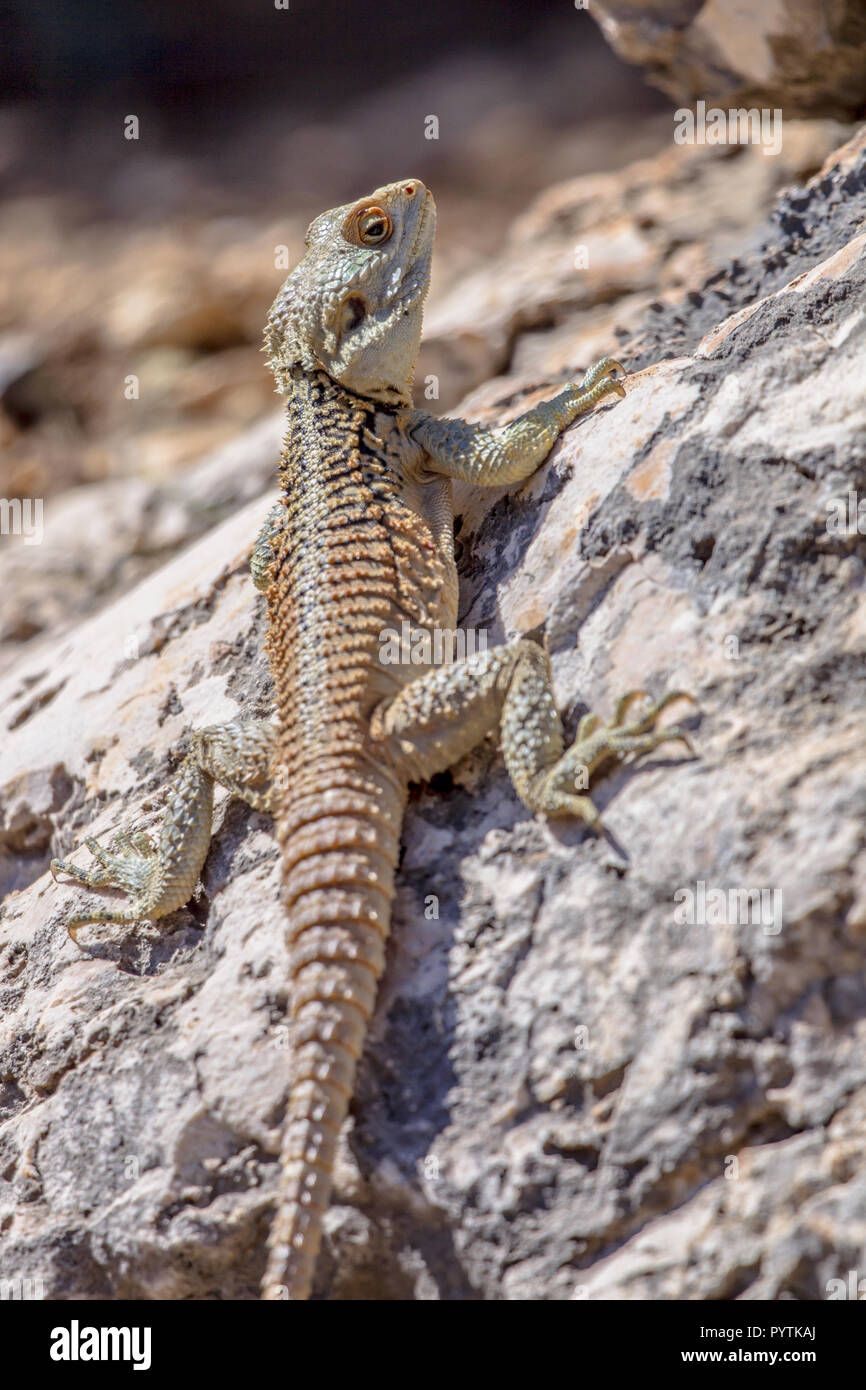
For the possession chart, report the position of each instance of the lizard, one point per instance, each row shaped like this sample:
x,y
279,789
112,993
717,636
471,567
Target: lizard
x,y
361,541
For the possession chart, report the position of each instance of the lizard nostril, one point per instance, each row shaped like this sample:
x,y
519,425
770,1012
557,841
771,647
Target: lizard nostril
x,y
409,189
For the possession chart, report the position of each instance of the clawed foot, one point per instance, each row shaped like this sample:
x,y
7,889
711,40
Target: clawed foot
x,y
128,863
597,382
559,792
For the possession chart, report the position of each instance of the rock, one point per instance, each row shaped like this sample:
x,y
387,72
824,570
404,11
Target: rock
x,y
631,1066
129,351
102,539
808,58
589,255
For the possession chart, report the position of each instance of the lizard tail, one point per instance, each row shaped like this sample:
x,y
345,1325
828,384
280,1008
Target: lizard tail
x,y
340,848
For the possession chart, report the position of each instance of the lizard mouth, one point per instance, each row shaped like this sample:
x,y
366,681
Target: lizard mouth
x,y
423,219
415,283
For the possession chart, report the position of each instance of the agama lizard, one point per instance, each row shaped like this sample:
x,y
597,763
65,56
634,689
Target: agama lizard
x,y
360,542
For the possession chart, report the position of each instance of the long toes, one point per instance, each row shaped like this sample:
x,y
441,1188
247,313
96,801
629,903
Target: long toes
x,y
563,803
73,927
88,876
599,370
588,725
651,714
623,704
645,743
96,849
65,866
99,916
673,695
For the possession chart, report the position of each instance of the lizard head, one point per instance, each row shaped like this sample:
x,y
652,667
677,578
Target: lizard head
x,y
352,307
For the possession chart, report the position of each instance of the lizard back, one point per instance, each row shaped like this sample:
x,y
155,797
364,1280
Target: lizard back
x,y
353,560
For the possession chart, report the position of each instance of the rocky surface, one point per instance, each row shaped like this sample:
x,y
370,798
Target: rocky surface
x,y
805,56
568,1091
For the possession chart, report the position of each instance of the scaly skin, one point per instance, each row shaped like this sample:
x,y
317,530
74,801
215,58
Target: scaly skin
x,y
361,542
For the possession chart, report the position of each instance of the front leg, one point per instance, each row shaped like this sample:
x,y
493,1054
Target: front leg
x,y
473,454
446,712
159,878
266,546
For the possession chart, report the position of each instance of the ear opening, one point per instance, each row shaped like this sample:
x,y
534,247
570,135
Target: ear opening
x,y
352,312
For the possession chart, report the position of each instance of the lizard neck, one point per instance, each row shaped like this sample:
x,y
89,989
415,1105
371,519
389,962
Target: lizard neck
x,y
324,427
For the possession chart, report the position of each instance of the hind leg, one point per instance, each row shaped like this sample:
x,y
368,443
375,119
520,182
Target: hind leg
x,y
160,877
448,711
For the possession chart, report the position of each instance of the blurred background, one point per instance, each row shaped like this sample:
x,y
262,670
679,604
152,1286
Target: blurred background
x,y
157,255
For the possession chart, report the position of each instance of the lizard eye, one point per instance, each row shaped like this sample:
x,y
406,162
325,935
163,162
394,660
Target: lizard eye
x,y
374,226
369,227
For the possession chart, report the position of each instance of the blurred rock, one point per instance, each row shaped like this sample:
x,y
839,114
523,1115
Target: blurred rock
x,y
590,254
100,540
808,57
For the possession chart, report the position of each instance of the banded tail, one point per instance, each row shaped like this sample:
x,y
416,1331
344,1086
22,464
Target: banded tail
x,y
340,849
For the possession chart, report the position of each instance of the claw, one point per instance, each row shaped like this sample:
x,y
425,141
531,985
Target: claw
x,y
678,735
597,741
581,807
650,715
601,371
623,703
675,695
